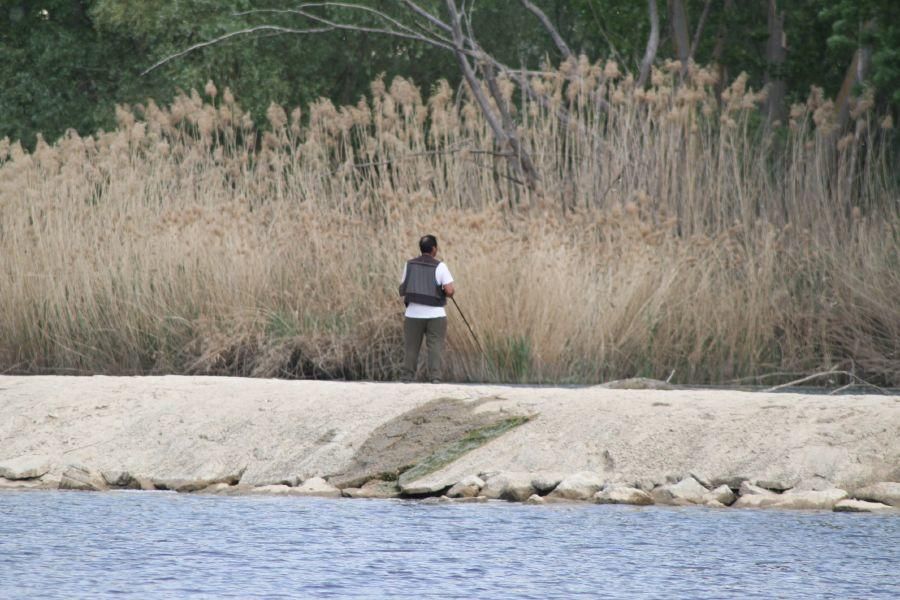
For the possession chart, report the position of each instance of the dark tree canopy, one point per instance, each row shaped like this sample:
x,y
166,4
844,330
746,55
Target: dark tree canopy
x,y
68,62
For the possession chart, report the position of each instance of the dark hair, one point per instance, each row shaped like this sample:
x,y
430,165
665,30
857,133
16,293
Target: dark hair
x,y
427,243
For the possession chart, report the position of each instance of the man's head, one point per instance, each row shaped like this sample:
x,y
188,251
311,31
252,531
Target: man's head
x,y
428,244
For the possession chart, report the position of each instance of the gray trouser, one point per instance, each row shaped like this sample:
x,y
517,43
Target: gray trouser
x,y
434,331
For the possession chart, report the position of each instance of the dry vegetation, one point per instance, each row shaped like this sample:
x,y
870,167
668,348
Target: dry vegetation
x,y
671,232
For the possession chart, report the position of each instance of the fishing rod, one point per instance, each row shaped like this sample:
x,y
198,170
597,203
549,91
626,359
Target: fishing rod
x,y
472,331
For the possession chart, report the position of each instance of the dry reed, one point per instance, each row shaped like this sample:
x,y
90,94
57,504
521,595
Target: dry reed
x,y
671,232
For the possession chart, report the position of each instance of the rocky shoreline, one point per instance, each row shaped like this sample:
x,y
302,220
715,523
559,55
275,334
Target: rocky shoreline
x,y
33,473
451,443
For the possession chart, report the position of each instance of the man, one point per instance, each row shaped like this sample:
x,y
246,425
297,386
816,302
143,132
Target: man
x,y
425,286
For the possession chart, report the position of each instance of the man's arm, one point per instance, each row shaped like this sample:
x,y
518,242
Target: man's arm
x,y
448,289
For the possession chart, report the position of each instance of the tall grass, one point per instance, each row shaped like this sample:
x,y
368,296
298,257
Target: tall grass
x,y
672,231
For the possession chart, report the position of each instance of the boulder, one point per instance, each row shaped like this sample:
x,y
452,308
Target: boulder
x,y
861,506
732,481
25,467
21,484
756,500
814,483
376,488
811,499
544,483
753,496
580,486
79,477
774,485
144,483
722,494
119,479
701,479
623,495
467,487
472,500
515,487
886,492
535,499
216,488
274,489
714,504
637,383
645,485
208,475
316,486
748,489
686,491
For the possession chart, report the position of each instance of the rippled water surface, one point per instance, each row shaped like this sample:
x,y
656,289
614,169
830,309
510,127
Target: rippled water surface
x,y
140,544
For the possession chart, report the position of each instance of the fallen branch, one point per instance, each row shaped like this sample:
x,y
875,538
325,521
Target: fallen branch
x,y
832,371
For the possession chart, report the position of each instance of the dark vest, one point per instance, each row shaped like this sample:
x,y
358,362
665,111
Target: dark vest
x,y
420,285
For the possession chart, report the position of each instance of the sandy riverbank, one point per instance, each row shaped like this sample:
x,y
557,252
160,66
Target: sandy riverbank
x,y
258,432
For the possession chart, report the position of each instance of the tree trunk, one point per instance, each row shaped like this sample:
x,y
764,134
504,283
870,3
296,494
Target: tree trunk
x,y
856,74
719,49
678,23
652,44
776,51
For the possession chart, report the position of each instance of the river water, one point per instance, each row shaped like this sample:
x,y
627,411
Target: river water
x,y
165,545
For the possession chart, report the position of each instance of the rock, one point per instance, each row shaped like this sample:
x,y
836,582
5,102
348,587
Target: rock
x,y
544,483
623,495
815,483
861,506
209,474
714,504
535,499
316,486
21,484
515,487
886,492
810,500
756,500
701,479
774,485
580,486
125,480
637,383
748,489
722,494
753,496
117,479
274,489
215,488
145,483
376,488
688,490
25,467
732,481
472,500
467,487
645,485
180,485
78,477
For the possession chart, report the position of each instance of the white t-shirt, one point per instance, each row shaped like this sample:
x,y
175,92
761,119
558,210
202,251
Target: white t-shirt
x,y
442,276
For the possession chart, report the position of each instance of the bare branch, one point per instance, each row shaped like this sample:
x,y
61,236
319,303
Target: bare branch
x,y
222,38
699,32
469,74
545,21
652,44
427,16
405,32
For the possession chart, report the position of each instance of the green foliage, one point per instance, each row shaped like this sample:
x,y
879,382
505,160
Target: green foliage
x,y
448,453
68,62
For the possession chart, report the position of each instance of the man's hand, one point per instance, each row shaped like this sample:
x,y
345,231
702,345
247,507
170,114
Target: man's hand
x,y
448,289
